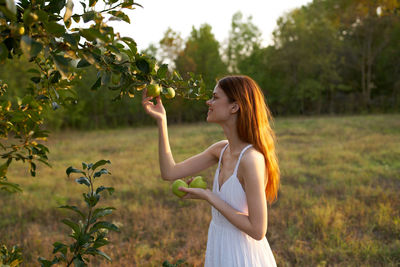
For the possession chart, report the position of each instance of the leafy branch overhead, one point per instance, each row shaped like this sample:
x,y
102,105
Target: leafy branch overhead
x,y
62,43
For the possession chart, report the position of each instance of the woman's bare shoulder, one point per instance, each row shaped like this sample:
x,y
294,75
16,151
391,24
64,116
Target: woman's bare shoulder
x,y
252,158
216,148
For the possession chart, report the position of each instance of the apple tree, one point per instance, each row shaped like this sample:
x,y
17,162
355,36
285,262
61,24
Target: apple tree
x,y
62,43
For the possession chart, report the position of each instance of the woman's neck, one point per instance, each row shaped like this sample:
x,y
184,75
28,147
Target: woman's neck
x,y
235,143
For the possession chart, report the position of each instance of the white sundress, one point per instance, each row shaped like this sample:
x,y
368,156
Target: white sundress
x,y
227,246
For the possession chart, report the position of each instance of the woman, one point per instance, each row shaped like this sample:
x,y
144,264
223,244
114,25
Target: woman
x,y
246,178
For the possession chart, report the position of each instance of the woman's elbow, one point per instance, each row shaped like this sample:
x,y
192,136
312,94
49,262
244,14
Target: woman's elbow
x,y
166,177
259,235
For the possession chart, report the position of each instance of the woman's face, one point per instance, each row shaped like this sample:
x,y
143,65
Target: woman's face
x,y
219,108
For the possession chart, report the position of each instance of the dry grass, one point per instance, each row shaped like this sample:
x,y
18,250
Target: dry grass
x,y
339,203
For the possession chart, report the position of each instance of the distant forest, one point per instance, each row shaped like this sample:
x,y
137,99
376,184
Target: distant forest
x,y
328,57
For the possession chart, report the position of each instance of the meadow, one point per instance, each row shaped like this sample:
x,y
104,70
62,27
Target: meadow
x,y
338,205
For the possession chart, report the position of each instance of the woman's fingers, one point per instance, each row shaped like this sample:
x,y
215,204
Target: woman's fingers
x,y
147,100
158,100
192,193
190,180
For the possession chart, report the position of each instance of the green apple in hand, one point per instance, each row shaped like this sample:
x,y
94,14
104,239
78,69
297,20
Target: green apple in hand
x,y
198,182
175,187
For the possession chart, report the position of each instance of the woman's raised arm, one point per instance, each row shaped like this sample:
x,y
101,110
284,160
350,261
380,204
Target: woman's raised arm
x,y
169,169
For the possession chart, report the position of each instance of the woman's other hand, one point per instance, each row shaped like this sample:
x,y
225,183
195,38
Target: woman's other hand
x,y
196,193
156,111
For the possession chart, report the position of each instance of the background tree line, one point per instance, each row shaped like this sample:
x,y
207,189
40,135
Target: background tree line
x,y
329,57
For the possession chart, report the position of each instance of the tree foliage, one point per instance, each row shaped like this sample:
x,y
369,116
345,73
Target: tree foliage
x,y
62,44
328,57
201,55
244,38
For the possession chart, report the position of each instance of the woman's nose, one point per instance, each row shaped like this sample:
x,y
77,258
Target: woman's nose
x,y
208,102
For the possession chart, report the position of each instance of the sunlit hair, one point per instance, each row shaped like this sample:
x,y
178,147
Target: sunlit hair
x,y
253,125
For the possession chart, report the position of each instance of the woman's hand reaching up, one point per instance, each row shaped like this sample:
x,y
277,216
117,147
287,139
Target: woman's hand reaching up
x,y
156,111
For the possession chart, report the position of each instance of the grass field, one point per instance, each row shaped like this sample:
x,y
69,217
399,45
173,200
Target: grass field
x,y
339,202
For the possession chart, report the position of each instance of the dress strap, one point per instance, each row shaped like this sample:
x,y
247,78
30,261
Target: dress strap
x,y
220,156
240,157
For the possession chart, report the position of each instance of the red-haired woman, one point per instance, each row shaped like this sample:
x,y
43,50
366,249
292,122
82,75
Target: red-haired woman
x,y
247,176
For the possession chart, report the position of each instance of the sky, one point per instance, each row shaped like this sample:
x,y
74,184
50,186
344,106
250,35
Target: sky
x,y
149,23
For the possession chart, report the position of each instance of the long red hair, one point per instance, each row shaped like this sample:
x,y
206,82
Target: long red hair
x,y
253,125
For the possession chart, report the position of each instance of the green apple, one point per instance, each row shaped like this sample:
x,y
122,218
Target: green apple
x,y
175,187
198,182
170,93
153,90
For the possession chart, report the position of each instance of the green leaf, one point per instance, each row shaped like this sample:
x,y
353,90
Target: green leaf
x,y
83,63
43,16
72,225
101,212
10,4
55,76
84,166
143,65
32,169
113,48
119,15
105,78
35,79
62,65
79,263
72,39
7,13
101,253
3,169
35,71
99,242
102,188
55,6
100,163
101,172
177,75
88,16
68,10
58,246
131,44
3,52
92,3
44,262
96,85
103,225
91,200
76,18
73,208
30,47
73,170
55,28
10,187
162,71
83,180
88,34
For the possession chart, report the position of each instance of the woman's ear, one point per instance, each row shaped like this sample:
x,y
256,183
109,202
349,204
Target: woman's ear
x,y
235,107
